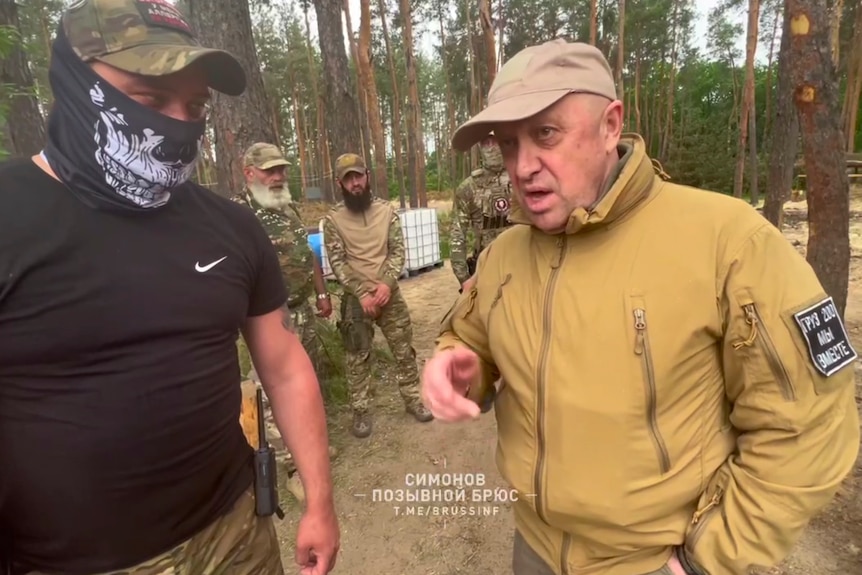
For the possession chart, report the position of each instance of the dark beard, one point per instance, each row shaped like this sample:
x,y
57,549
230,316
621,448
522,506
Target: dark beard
x,y
357,203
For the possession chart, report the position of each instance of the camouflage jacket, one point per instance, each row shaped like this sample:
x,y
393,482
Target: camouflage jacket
x,y
290,239
364,250
480,208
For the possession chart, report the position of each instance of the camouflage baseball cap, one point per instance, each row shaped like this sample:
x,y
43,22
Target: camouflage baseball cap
x,y
534,79
349,163
147,37
264,156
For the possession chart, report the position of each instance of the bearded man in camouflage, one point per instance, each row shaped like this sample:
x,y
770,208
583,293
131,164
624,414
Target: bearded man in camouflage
x,y
266,193
365,246
481,205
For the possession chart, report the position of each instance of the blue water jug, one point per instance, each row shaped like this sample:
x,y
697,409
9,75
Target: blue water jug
x,y
314,241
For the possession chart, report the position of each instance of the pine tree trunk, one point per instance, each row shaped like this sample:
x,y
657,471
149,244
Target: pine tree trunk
x,y
238,122
816,97
342,120
396,107
785,133
366,75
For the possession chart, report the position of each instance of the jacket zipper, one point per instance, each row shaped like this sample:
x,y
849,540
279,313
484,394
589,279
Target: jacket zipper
x,y
541,368
701,517
779,372
642,348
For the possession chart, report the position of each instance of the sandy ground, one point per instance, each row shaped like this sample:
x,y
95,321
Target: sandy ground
x,y
379,538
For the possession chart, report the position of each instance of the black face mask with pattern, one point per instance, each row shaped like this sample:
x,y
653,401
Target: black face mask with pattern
x,y
109,150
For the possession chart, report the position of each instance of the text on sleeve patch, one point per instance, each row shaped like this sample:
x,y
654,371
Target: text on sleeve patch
x,y
824,334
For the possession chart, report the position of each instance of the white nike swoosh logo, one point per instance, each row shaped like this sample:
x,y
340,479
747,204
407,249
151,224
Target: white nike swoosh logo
x,y
208,267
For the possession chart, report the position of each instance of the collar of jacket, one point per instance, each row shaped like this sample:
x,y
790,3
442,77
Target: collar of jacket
x,y
628,184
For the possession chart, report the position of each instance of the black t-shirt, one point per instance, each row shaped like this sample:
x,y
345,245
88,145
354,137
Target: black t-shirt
x,y
119,377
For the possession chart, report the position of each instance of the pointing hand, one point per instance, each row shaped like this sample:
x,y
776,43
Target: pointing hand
x,y
446,379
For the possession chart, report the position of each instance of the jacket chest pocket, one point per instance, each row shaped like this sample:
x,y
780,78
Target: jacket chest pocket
x,y
643,352
763,362
495,309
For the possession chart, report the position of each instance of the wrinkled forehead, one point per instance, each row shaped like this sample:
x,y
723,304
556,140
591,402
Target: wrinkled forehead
x,y
569,114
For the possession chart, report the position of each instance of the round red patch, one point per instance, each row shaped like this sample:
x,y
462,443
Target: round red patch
x,y
501,205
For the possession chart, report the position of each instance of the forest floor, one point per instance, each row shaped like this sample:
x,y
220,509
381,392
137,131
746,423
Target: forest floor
x,y
377,537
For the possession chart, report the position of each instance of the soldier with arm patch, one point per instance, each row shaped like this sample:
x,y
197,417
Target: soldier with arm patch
x,y
481,206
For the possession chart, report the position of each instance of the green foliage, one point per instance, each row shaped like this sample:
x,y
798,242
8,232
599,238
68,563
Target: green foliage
x,y
444,225
330,367
9,37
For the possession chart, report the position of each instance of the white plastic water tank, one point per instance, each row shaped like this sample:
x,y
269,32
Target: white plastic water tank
x,y
421,238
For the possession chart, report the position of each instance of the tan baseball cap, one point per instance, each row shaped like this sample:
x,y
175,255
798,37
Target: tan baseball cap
x,y
349,163
264,156
534,79
146,37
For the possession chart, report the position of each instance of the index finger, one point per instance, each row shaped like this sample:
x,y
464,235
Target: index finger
x,y
450,404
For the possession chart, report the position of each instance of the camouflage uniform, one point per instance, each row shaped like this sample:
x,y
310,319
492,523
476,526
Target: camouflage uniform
x,y
288,235
356,328
238,543
481,206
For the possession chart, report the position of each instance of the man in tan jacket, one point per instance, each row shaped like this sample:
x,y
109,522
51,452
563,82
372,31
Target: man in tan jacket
x,y
677,389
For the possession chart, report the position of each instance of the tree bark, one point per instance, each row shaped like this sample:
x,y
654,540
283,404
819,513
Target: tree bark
x,y
359,90
24,121
854,83
488,35
396,106
618,72
450,103
366,75
747,99
785,133
416,159
343,122
322,155
816,97
238,122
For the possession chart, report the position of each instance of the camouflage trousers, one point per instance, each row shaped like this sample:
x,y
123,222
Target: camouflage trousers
x,y
238,543
357,333
302,321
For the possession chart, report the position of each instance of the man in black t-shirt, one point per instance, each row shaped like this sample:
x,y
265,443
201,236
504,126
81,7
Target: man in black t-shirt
x,y
123,288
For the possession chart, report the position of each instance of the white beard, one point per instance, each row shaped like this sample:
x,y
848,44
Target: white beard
x,y
274,200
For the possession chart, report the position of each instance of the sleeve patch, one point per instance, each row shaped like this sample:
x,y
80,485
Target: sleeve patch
x,y
823,332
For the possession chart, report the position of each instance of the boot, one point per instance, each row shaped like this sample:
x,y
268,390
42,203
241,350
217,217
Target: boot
x,y
361,424
420,412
